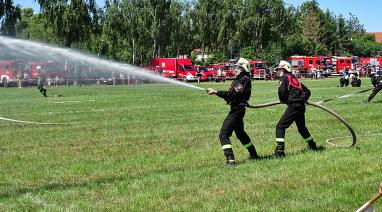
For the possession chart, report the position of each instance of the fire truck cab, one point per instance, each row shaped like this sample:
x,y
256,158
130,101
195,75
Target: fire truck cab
x,y
205,74
342,63
258,69
10,69
308,62
51,69
179,68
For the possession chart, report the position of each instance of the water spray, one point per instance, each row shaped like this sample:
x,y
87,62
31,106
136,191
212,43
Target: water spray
x,y
31,49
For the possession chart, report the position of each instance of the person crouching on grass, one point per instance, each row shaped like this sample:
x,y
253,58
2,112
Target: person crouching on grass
x,y
237,97
294,94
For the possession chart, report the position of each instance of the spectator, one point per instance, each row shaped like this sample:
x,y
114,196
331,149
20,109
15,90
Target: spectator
x,y
18,78
122,78
56,81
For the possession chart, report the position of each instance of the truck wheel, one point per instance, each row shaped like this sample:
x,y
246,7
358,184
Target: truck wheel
x,y
4,82
184,79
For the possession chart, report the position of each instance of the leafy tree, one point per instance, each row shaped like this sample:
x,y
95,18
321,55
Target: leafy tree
x,y
134,31
9,15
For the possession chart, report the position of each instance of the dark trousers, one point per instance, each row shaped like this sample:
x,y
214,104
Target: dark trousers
x,y
375,91
294,113
233,123
42,90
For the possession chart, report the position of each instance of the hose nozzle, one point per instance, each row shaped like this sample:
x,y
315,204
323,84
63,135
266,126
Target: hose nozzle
x,y
208,89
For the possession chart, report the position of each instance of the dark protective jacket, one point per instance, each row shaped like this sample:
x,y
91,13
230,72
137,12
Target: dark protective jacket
x,y
291,90
41,81
376,79
239,92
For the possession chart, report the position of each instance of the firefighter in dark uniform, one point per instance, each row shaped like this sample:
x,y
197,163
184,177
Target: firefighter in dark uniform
x,y
376,80
356,81
237,97
344,80
41,81
294,94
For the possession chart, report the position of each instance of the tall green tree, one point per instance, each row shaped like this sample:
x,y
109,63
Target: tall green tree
x,y
9,15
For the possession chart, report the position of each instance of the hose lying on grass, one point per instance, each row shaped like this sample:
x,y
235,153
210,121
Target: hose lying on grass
x,y
341,119
33,122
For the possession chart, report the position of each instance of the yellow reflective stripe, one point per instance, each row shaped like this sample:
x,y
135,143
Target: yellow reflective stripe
x,y
227,146
247,145
308,139
280,139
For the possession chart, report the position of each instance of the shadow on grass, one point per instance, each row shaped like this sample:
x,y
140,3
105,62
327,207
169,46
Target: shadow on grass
x,y
111,179
273,157
11,193
376,102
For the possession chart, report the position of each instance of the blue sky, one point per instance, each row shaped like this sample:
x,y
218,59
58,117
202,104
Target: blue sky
x,y
367,11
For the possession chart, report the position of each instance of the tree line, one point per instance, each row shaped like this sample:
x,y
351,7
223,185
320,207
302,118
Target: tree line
x,y
134,31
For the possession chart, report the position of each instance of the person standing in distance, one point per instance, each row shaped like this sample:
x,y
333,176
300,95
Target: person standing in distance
x,y
237,97
294,94
41,81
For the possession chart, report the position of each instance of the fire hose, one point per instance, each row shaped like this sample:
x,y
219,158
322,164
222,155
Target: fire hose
x,y
320,106
33,122
341,119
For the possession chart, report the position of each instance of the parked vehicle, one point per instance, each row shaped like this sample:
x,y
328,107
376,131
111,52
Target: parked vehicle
x,y
342,63
179,68
309,62
228,71
206,75
258,69
9,69
217,70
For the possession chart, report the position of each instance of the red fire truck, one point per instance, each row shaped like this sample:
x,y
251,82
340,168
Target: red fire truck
x,y
217,71
51,69
9,69
307,62
258,69
379,59
179,68
228,71
342,63
206,75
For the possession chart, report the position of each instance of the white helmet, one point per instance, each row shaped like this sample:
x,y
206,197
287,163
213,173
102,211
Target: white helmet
x,y
243,63
284,65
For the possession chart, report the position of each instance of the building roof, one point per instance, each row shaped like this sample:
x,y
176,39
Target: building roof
x,y
378,36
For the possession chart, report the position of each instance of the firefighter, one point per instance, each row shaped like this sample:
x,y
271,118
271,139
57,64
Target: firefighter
x,y
376,80
344,80
237,97
198,74
356,81
41,81
294,94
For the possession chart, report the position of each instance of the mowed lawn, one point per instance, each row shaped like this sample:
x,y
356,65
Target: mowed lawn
x,y
156,148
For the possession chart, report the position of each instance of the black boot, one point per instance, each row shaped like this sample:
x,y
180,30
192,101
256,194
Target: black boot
x,y
312,145
279,151
230,160
252,153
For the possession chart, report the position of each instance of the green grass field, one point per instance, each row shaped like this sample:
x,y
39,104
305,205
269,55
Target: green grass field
x,y
156,148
